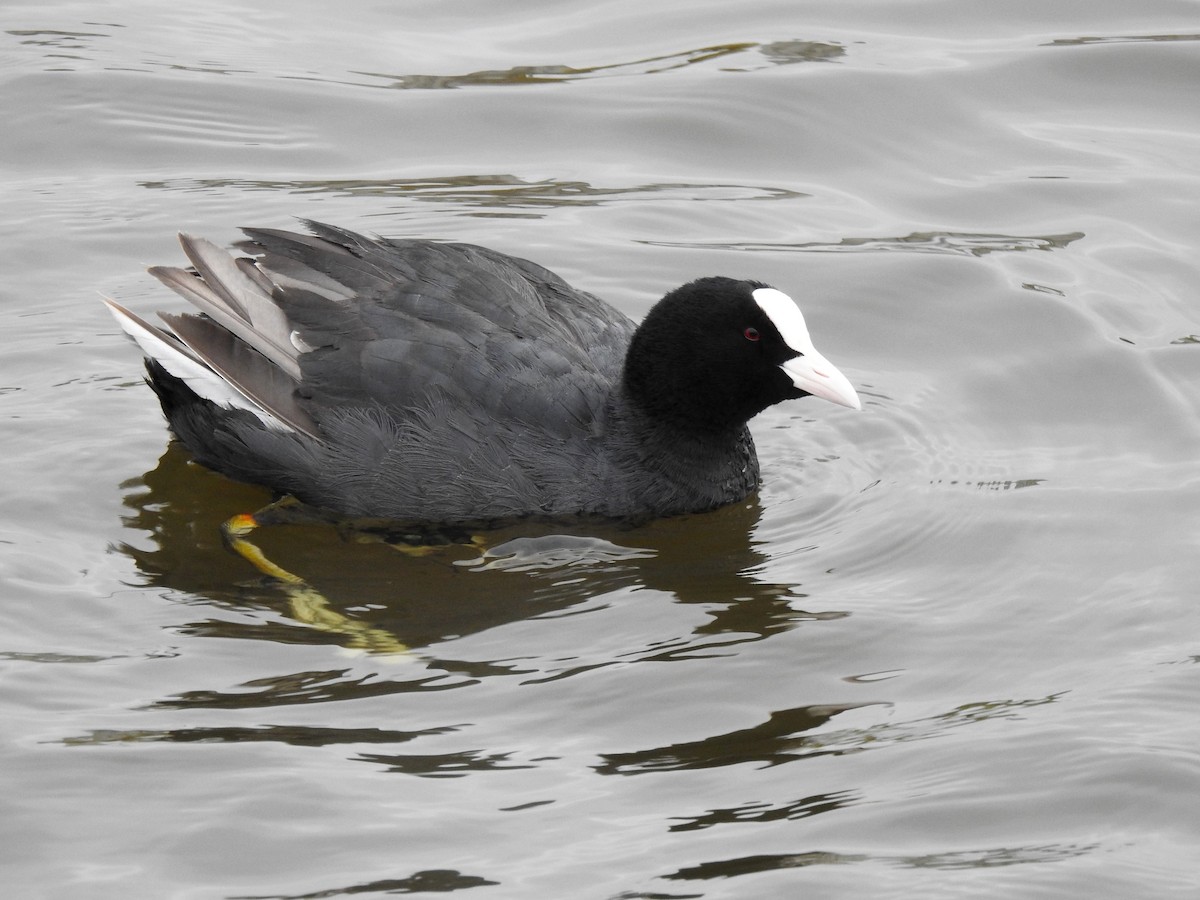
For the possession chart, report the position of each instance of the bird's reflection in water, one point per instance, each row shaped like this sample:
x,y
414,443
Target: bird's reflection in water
x,y
356,591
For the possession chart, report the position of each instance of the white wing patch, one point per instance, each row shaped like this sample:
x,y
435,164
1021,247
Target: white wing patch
x,y
174,356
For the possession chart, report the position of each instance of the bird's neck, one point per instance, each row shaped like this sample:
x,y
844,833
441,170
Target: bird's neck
x,y
701,468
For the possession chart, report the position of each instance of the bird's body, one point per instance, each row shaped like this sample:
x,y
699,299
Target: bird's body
x,y
449,383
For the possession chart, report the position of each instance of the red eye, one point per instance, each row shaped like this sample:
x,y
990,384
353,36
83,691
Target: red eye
x,y
751,333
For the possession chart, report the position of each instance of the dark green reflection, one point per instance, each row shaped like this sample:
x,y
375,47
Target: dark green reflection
x,y
492,191
1121,39
361,593
778,740
769,812
295,735
776,53
782,738
965,859
960,243
439,881
304,687
444,765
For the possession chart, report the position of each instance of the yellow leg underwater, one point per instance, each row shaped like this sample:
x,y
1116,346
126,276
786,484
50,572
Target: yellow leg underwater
x,y
308,605
235,531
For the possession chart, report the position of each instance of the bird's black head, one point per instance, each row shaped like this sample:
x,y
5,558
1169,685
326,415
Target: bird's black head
x,y
712,354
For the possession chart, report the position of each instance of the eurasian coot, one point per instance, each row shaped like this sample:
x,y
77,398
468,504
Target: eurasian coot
x,y
448,383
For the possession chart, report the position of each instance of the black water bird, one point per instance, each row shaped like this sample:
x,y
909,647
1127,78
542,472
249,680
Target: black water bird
x,y
448,383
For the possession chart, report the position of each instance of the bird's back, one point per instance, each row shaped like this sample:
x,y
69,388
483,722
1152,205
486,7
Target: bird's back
x,y
446,381
455,322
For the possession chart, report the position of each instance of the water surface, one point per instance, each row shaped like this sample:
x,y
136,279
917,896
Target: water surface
x,y
949,650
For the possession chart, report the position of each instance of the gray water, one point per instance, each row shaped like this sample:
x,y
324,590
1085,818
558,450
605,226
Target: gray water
x,y
951,649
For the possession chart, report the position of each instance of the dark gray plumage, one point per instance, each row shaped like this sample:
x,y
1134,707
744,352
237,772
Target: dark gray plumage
x,y
449,383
